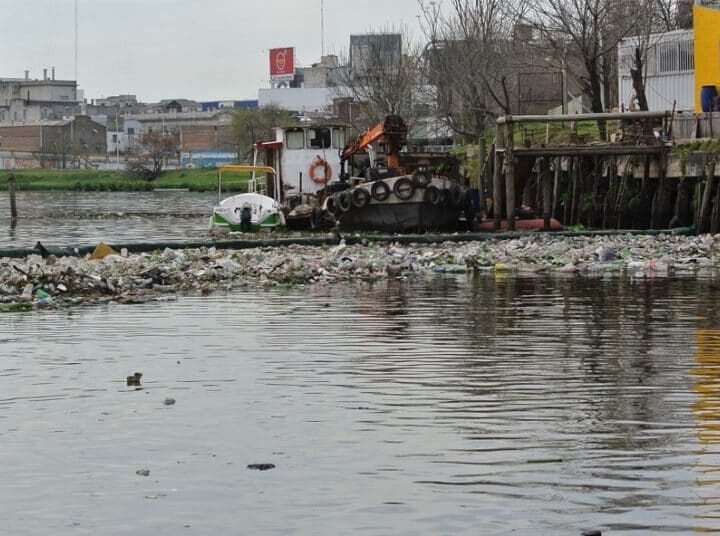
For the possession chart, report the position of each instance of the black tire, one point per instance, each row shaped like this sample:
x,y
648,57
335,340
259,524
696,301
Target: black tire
x,y
454,195
344,199
443,196
404,188
431,195
332,205
422,178
380,190
360,197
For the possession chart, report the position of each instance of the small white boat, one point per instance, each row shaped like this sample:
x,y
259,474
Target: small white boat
x,y
266,211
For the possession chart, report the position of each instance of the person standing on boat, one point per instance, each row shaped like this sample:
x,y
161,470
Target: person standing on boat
x,y
245,217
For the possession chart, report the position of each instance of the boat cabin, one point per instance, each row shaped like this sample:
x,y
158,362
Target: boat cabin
x,y
306,158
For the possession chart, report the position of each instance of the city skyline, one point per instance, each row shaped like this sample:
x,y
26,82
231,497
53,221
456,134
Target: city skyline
x,y
202,50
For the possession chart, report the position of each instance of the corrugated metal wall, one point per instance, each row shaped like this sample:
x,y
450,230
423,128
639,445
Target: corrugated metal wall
x,y
662,90
669,71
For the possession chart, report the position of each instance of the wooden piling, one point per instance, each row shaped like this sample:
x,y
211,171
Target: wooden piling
x,y
510,175
556,186
497,180
704,219
547,193
13,205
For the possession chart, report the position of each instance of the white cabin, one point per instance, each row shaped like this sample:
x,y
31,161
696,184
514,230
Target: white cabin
x,y
306,157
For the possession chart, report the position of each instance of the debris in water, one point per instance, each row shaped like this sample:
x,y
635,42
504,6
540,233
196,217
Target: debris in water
x,y
134,379
261,466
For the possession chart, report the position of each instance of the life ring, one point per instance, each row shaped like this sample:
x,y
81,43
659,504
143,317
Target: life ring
x,y
327,170
380,190
432,195
344,200
360,197
403,188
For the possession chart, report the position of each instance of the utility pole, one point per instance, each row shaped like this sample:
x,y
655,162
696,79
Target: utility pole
x,y
117,138
322,29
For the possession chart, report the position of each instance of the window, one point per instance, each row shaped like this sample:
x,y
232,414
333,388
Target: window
x,y
675,57
114,138
131,131
318,138
295,138
338,138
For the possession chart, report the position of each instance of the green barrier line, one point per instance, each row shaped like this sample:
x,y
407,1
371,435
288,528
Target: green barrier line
x,y
141,247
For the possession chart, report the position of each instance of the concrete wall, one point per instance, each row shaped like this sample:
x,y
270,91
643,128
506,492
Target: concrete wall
x,y
707,50
298,99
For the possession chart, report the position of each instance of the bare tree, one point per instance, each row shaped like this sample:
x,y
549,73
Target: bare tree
x,y
590,30
156,149
381,76
252,126
658,18
471,59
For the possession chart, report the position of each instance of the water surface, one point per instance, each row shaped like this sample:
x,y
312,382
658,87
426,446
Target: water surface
x,y
438,406
85,218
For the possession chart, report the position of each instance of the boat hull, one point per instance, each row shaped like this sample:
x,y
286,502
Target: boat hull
x,y
401,218
266,213
413,212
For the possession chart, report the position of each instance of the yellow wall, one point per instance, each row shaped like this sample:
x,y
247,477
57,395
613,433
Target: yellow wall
x,y
706,25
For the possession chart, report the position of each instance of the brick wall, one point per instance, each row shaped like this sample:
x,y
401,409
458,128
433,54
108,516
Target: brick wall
x,y
25,138
194,138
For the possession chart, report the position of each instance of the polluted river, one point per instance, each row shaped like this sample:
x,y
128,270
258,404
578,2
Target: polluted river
x,y
549,386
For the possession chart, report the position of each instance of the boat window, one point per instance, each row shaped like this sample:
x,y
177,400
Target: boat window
x,y
318,138
294,138
338,138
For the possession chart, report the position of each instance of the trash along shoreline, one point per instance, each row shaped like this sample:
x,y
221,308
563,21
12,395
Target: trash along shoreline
x,y
48,280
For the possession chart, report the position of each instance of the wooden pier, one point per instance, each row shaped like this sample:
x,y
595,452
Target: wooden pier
x,y
643,178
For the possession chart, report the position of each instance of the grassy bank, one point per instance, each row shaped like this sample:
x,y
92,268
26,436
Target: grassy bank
x,y
196,180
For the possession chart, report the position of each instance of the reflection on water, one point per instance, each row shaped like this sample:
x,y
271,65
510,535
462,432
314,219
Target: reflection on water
x,y
80,218
442,406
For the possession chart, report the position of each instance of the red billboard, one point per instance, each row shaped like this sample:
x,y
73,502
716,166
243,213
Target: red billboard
x,y
282,63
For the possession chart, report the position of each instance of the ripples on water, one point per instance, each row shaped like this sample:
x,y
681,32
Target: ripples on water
x,y
441,406
84,218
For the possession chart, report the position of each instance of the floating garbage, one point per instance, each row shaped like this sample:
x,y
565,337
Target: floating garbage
x,y
107,276
261,466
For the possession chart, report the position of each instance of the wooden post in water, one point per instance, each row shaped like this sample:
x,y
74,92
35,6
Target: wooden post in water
x,y
547,193
510,175
497,178
556,185
704,217
13,204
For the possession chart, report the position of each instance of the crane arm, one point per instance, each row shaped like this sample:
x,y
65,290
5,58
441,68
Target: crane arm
x,y
391,132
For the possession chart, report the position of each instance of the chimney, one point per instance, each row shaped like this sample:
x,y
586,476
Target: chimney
x,y
27,75
53,73
44,74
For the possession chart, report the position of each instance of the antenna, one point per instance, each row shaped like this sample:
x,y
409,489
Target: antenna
x,y
76,44
322,28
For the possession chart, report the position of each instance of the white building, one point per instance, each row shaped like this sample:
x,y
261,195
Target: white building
x,y
669,71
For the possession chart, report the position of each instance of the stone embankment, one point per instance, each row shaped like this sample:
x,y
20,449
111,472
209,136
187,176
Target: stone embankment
x,y
51,281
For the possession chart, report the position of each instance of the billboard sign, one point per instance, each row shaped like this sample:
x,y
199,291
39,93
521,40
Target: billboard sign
x,y
282,64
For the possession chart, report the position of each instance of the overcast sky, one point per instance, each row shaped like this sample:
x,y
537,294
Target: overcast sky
x,y
196,49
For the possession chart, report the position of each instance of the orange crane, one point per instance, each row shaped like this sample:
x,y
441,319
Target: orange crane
x,y
391,132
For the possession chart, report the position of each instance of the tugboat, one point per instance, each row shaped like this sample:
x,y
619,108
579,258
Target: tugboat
x,y
386,198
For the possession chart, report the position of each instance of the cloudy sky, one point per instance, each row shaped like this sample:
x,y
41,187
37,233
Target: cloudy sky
x,y
197,49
